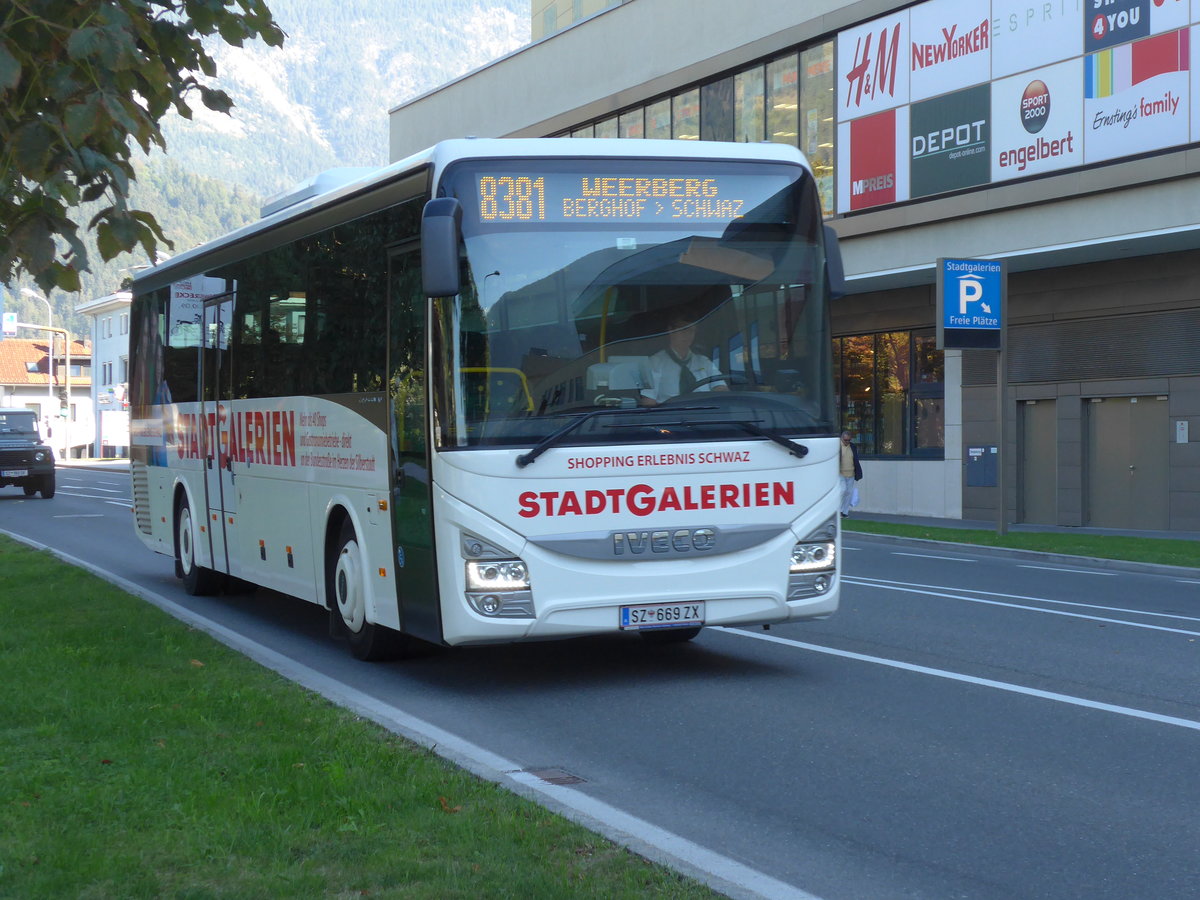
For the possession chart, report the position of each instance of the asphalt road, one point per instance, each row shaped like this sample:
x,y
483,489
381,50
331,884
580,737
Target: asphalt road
x,y
969,725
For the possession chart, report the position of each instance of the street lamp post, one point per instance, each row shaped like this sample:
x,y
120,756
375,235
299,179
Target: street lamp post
x,y
50,340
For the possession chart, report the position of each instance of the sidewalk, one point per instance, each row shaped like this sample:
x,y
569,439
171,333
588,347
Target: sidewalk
x,y
103,465
1018,527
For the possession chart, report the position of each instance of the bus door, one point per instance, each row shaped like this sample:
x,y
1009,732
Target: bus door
x,y
216,373
412,500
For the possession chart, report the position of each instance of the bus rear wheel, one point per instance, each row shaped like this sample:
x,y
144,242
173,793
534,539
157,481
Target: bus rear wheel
x,y
197,580
346,587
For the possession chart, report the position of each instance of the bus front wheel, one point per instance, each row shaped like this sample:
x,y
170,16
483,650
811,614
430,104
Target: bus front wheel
x,y
197,580
346,587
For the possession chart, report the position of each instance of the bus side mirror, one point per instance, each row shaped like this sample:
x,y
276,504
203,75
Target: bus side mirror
x,y
835,275
441,226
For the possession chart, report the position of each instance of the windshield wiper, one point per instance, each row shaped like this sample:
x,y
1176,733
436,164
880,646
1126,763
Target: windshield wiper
x,y
797,450
554,437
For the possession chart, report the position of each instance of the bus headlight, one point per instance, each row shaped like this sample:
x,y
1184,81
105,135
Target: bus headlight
x,y
814,562
497,585
497,575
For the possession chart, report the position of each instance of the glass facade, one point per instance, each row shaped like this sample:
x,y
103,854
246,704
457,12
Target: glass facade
x,y
749,125
817,95
889,385
783,100
788,99
685,115
890,392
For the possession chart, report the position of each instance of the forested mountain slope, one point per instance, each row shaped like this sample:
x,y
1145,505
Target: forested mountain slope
x,y
319,102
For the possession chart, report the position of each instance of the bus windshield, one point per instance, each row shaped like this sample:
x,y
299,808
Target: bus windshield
x,y
693,290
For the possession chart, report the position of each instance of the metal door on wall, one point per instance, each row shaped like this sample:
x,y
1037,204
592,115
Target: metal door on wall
x,y
1039,462
1127,442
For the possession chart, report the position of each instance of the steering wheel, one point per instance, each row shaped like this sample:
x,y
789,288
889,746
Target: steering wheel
x,y
731,380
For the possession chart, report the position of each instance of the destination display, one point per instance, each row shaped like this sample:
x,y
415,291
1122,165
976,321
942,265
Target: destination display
x,y
559,197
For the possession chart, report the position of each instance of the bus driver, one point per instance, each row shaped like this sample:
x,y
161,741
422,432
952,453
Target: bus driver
x,y
676,370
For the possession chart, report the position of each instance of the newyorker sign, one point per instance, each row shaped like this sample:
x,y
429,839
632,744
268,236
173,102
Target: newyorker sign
x,y
950,46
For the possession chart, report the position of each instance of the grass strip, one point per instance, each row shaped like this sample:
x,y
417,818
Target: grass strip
x,y
141,758
1134,549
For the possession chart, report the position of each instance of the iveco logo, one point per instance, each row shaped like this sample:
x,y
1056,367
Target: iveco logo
x,y
675,541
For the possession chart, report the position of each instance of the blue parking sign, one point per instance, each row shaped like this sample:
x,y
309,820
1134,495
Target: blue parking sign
x,y
971,296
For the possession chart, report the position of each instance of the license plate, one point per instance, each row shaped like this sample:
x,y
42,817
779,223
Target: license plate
x,y
663,615
14,473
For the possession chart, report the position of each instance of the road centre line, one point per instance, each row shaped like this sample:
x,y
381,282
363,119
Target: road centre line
x,y
931,556
1072,571
1050,612
972,679
71,487
70,493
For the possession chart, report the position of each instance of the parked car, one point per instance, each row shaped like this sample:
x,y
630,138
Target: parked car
x,y
25,461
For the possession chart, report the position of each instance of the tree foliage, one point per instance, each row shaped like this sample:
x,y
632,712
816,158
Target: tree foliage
x,y
81,82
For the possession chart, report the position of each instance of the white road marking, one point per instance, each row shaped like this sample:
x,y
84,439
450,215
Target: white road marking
x,y
941,587
931,556
81,516
1049,612
972,679
71,493
1072,571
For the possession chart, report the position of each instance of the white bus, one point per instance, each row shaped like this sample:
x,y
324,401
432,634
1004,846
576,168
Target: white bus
x,y
504,390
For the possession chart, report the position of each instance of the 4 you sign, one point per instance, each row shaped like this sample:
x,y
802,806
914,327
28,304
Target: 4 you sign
x,y
971,299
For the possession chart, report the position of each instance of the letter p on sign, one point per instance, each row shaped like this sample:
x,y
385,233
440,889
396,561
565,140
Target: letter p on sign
x,y
969,291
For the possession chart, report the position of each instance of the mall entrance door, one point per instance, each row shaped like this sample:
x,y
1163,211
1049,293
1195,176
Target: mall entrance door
x,y
1127,443
1039,462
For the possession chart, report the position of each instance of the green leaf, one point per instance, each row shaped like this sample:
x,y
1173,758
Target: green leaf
x,y
67,279
32,149
215,100
107,242
10,70
85,43
82,120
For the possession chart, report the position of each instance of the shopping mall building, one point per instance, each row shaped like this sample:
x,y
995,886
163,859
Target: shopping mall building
x,y
1060,136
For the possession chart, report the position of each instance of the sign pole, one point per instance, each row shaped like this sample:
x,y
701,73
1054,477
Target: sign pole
x,y
972,314
1001,437
1001,407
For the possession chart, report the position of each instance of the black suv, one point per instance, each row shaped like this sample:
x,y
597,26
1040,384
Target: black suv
x,y
24,460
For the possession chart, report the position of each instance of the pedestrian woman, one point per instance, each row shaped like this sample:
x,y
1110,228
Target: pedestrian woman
x,y
849,472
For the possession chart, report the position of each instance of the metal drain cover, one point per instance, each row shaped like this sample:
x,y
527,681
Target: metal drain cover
x,y
554,776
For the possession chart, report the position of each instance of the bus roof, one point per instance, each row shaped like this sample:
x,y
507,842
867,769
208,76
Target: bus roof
x,y
437,158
